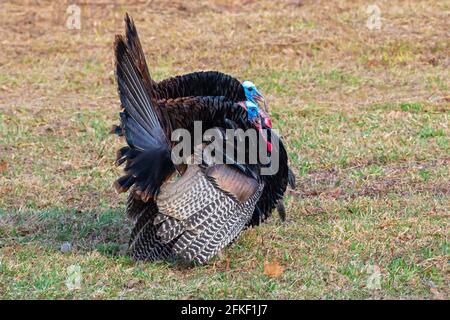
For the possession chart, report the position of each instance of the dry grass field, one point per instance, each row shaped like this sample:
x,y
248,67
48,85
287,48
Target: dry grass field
x,y
364,114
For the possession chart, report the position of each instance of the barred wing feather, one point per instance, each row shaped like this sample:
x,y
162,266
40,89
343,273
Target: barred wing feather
x,y
203,213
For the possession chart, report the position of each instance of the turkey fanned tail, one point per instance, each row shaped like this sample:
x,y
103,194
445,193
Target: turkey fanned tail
x,y
142,129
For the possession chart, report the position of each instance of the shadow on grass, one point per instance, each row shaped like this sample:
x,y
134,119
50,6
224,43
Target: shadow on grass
x,y
106,231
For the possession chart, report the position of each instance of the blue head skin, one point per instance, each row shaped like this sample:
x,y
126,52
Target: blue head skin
x,y
252,111
252,94
254,116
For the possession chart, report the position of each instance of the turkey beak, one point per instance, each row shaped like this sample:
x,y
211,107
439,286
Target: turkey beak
x,y
261,100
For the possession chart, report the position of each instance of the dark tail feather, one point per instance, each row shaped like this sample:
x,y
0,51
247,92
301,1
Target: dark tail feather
x,y
148,160
280,205
291,178
281,210
124,183
135,48
135,96
116,129
122,155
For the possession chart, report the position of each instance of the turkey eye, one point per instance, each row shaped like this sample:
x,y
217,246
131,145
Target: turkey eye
x,y
250,89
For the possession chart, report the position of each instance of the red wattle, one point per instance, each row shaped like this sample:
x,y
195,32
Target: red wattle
x,y
269,145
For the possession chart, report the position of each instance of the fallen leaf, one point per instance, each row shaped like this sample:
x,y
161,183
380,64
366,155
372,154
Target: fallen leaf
x,y
227,266
373,63
273,269
335,193
3,166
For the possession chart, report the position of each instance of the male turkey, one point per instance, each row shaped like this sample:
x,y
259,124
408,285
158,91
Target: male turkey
x,y
210,204
202,83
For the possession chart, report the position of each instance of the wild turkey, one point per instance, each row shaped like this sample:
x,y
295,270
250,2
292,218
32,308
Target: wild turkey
x,y
210,204
203,83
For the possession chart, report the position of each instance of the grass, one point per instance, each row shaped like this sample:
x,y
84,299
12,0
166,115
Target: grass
x,y
364,114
